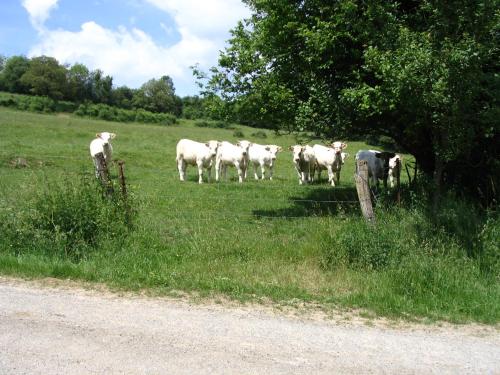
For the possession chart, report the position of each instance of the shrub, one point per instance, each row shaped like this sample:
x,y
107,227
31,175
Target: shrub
x,y
489,239
259,134
238,134
213,124
67,219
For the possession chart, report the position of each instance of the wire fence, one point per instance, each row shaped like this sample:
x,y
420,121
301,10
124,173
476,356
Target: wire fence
x,y
295,207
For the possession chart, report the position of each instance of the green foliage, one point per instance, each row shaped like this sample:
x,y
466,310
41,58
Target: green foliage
x,y
67,219
489,240
213,124
35,103
424,74
45,77
13,70
259,134
109,113
238,134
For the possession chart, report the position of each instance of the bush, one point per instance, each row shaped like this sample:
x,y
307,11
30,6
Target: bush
x,y
489,239
68,219
109,113
213,124
35,103
238,134
259,134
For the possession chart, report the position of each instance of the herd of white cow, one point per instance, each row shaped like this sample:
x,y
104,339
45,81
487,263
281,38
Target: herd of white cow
x,y
308,160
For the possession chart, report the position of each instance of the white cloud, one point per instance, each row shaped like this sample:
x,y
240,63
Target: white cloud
x,y
132,57
39,11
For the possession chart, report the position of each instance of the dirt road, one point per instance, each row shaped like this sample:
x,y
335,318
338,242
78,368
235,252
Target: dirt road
x,y
62,330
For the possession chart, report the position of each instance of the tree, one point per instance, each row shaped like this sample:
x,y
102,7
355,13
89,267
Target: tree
x,y
424,73
100,87
157,95
12,72
79,85
45,77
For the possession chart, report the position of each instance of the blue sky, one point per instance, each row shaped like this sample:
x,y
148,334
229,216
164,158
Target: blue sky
x,y
132,40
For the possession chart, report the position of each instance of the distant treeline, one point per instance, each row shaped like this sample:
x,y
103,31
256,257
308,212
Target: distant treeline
x,y
45,77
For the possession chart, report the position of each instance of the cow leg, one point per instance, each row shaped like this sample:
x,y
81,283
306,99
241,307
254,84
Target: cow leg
x,y
331,179
209,173
217,169
271,167
255,171
181,165
200,173
263,171
337,175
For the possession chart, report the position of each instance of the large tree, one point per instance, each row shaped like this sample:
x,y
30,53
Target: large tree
x,y
422,72
11,74
157,95
45,77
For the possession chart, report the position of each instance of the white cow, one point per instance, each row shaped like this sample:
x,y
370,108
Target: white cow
x,y
196,153
378,164
304,160
395,168
102,143
263,155
229,154
330,158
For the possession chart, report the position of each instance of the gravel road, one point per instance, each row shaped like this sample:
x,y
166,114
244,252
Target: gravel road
x,y
71,330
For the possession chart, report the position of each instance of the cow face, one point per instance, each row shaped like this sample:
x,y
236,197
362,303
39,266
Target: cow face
x,y
385,157
244,145
212,146
338,147
393,162
273,150
297,152
106,137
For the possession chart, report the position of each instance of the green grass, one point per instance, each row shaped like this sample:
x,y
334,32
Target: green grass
x,y
269,240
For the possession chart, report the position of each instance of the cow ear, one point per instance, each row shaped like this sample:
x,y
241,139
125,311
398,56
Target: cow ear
x,y
98,135
280,148
112,135
344,145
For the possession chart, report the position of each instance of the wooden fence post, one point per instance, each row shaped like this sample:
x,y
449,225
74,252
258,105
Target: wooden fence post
x,y
361,178
122,179
103,172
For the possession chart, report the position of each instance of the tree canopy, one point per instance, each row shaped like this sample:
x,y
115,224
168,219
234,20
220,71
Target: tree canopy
x,y
424,73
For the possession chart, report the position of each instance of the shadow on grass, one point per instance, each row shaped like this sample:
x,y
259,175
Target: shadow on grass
x,y
318,201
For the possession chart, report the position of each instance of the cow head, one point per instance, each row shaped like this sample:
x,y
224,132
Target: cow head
x,y
273,150
106,137
385,157
297,152
213,146
393,162
338,147
244,145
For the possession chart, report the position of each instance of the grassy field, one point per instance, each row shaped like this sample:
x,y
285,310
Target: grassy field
x,y
259,241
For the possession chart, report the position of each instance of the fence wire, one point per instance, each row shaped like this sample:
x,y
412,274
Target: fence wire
x,y
316,208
